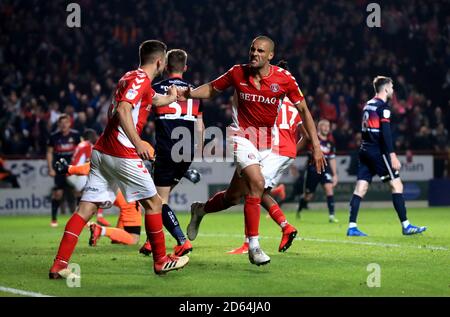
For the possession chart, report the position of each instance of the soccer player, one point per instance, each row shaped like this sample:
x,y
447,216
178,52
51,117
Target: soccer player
x,y
117,162
261,88
329,179
82,155
377,156
62,144
168,170
284,151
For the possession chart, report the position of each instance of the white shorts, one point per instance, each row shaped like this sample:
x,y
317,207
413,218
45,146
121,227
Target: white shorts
x,y
109,173
273,167
245,152
77,181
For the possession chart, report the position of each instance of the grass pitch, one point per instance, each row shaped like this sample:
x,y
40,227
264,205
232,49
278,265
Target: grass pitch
x,y
321,262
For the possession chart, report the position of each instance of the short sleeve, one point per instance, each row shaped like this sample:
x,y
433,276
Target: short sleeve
x,y
134,89
224,81
293,91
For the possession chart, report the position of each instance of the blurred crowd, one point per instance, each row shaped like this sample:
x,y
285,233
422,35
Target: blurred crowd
x,y
47,68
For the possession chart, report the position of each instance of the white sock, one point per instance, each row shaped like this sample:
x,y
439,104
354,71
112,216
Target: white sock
x,y
352,225
283,224
253,242
405,223
103,231
246,240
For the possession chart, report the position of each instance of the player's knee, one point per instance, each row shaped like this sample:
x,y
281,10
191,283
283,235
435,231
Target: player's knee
x,y
361,189
57,194
86,210
256,187
397,186
152,205
308,196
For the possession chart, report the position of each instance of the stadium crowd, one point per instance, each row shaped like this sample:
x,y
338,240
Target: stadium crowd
x,y
48,68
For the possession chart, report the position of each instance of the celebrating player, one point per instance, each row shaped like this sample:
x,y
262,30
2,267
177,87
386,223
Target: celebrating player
x,y
329,179
261,88
377,156
284,151
117,162
62,144
168,170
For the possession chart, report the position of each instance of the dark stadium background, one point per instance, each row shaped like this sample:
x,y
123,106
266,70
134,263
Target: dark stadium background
x,y
47,68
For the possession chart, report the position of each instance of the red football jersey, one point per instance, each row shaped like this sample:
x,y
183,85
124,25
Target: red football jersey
x,y
285,130
134,87
82,153
256,110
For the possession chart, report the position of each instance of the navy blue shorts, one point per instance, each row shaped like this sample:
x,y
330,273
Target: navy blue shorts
x,y
372,162
166,172
312,178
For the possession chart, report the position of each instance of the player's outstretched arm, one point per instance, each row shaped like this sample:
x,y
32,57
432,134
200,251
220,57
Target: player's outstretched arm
x,y
126,122
204,91
319,160
163,100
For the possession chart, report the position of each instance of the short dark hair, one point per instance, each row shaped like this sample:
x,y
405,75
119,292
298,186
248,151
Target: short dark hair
x,y
380,81
150,50
176,60
90,134
63,116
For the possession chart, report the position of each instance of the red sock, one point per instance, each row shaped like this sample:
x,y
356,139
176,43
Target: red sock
x,y
70,238
252,211
217,203
277,214
155,234
100,213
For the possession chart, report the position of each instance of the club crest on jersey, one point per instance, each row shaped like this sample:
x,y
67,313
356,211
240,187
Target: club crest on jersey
x,y
275,88
251,156
131,94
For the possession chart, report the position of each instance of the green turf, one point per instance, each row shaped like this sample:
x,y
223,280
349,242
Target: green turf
x,y
322,262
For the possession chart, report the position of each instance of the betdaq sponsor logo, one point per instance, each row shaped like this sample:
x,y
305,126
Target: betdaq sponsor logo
x,y
32,202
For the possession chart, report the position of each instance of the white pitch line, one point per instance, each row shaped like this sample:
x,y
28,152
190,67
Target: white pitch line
x,y
21,292
376,244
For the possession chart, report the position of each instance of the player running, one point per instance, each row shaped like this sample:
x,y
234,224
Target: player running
x,y
377,156
329,179
261,88
284,152
169,170
117,163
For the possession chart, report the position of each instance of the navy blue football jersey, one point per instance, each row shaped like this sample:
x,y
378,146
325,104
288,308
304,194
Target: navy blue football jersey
x,y
375,112
64,145
176,114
